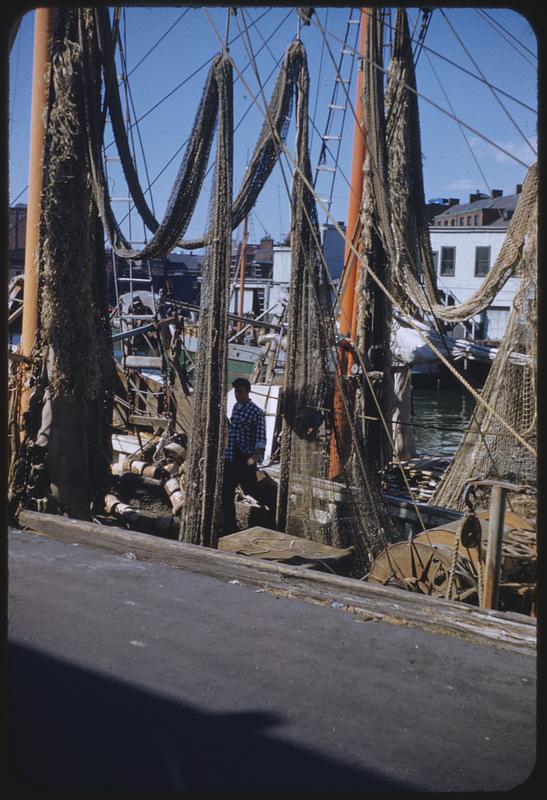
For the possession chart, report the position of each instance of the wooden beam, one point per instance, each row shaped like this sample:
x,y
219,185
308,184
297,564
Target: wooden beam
x,y
502,630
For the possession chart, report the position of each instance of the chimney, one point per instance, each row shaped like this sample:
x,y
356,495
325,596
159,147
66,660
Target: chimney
x,y
497,193
474,197
453,201
519,188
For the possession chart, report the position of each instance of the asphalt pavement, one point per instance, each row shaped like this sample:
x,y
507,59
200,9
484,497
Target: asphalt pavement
x,y
126,675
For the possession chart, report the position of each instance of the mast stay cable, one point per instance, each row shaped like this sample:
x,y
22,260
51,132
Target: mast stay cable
x,y
504,109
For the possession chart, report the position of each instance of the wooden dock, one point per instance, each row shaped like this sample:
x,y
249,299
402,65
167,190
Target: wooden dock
x,y
504,630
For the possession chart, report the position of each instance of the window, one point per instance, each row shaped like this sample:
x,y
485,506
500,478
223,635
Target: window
x,y
476,219
446,222
469,220
482,261
452,221
435,254
448,260
462,220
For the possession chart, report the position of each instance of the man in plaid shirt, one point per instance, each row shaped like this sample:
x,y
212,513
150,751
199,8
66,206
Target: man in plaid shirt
x,y
245,449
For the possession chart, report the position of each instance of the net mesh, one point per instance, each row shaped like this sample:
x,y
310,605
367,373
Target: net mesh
x,y
66,451
201,517
191,174
412,253
488,450
323,495
400,199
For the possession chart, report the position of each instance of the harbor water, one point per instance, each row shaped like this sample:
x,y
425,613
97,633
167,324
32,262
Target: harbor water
x,y
440,417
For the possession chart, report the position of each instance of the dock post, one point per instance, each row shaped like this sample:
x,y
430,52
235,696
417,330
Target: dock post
x,y
493,549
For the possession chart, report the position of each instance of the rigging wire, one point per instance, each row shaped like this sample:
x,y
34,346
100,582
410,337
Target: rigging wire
x,y
437,106
19,195
495,21
129,94
426,22
13,33
466,71
504,109
466,140
379,283
145,56
194,73
319,72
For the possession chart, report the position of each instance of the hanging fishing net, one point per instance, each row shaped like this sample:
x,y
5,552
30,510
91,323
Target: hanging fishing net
x,y
65,455
488,449
191,173
324,494
408,220
201,517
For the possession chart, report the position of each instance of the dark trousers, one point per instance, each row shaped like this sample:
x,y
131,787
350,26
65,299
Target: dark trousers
x,y
236,472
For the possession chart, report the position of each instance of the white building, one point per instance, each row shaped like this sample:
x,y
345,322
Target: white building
x,y
463,256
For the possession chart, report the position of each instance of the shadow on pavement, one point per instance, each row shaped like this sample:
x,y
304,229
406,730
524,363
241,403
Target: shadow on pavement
x,y
69,728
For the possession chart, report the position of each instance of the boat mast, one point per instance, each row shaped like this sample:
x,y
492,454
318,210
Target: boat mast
x,y
44,20
348,304
242,266
347,318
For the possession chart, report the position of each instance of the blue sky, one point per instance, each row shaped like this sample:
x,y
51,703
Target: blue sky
x,y
505,55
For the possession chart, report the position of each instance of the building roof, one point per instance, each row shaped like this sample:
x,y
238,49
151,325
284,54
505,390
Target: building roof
x,y
508,203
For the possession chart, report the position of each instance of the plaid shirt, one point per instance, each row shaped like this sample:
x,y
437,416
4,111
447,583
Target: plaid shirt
x,y
247,431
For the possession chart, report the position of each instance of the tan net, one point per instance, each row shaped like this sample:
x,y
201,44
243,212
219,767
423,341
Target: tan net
x,y
400,198
488,450
409,222
200,522
323,495
66,452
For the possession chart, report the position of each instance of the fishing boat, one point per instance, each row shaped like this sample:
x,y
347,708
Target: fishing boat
x,y
160,411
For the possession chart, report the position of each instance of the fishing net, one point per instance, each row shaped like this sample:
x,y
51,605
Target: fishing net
x,y
488,450
400,198
376,249
191,174
66,451
200,522
323,495
405,176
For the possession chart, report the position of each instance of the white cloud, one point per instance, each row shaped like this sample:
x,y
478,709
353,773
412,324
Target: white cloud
x,y
517,148
462,185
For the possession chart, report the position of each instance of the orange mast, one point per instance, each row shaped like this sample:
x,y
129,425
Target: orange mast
x,y
44,20
347,320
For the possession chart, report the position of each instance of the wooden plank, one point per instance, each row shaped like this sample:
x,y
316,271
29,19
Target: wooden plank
x,y
144,362
504,630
